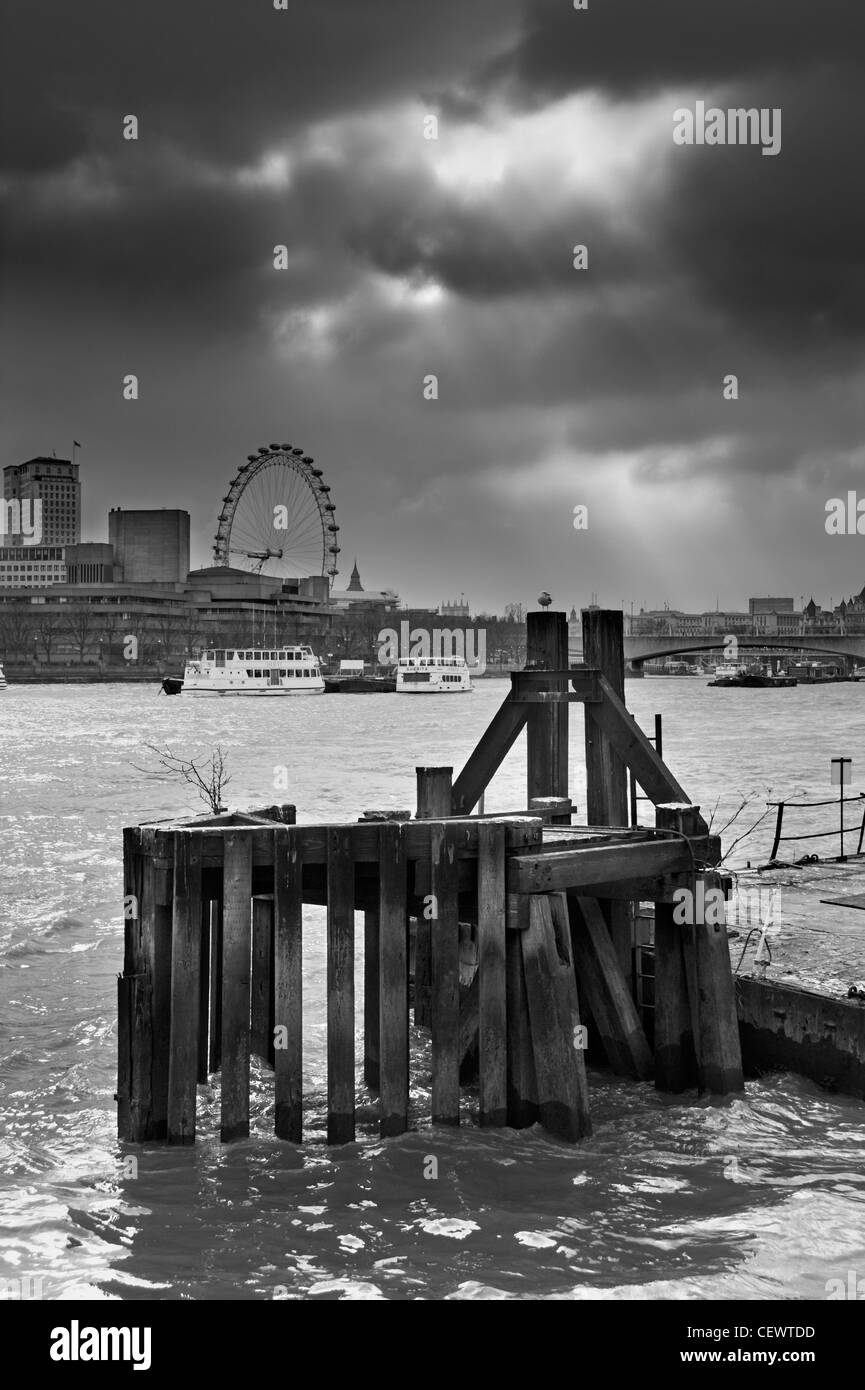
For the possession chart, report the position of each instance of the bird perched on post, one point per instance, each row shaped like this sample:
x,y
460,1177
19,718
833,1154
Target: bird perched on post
x,y
545,600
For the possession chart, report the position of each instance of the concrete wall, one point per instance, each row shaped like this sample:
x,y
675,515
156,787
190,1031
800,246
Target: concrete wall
x,y
149,546
790,1029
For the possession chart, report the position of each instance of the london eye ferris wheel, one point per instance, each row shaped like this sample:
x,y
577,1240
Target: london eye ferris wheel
x,y
277,517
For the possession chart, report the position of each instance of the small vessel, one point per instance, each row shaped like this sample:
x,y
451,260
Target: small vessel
x,y
353,679
254,671
3,681
172,685
749,678
432,675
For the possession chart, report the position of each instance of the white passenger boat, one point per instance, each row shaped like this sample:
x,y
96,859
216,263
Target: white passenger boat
x,y
254,671
2,679
432,675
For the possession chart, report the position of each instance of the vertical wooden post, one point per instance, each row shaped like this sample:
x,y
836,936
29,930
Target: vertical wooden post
x,y
492,975
606,782
261,1023
554,1018
204,985
445,992
153,998
559,809
340,986
236,964
606,989
288,983
522,1082
216,924
371,996
675,1062
675,1054
547,725
185,992
133,1042
434,802
716,1024
393,977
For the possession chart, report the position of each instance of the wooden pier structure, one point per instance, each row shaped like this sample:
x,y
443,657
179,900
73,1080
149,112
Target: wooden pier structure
x,y
510,937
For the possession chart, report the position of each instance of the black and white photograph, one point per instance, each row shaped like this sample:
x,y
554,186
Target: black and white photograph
x,y
432,672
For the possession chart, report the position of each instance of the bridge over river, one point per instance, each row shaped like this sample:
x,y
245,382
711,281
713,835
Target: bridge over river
x,y
650,648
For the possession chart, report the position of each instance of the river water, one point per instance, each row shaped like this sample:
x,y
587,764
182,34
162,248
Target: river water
x,y
760,1196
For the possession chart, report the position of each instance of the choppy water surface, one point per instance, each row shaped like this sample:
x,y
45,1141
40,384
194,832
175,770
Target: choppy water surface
x,y
762,1196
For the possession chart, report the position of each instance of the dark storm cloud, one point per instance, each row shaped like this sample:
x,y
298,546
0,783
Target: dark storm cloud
x,y
222,77
628,46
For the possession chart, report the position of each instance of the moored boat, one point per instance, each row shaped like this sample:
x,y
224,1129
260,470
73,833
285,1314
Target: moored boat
x,y
3,681
432,675
254,671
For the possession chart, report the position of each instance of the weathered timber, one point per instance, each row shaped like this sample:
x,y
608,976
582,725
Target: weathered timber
x,y
502,733
203,983
434,803
444,994
261,1029
371,997
719,1051
236,966
393,978
216,973
607,991
185,994
133,1093
590,868
340,988
556,810
633,747
547,725
491,976
288,986
606,778
561,1097
522,1081
156,937
675,1059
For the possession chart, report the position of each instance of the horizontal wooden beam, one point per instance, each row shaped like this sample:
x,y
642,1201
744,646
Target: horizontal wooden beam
x,y
521,831
596,868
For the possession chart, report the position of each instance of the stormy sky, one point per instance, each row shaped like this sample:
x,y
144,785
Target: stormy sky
x,y
454,257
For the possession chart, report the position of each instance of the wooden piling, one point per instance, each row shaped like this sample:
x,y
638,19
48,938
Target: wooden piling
x,y
204,987
133,1071
185,992
547,725
522,1086
372,997
716,1024
606,776
607,991
393,980
261,1021
154,997
216,973
675,1060
445,991
236,964
340,986
288,984
492,975
434,802
554,1019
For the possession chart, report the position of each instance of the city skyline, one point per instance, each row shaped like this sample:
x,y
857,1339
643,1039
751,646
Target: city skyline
x,y
298,261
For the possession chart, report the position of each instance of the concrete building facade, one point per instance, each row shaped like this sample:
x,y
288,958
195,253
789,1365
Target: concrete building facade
x,y
150,547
